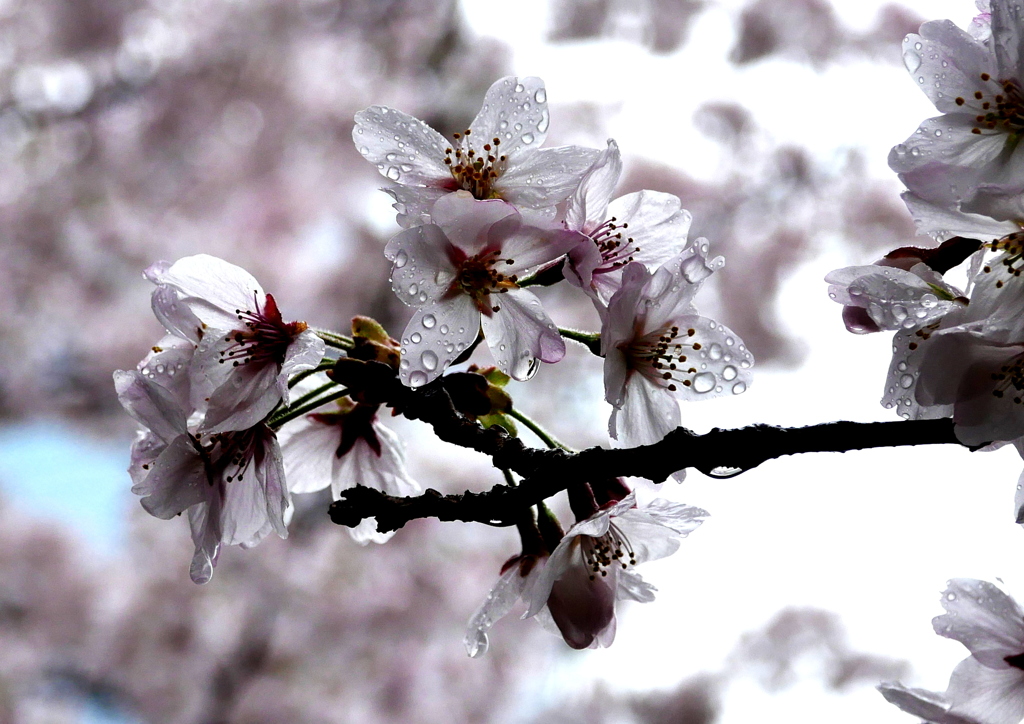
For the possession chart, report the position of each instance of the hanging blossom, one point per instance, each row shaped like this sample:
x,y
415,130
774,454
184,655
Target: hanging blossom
x,y
461,272
230,484
648,227
591,567
497,157
344,447
975,81
657,348
988,686
245,350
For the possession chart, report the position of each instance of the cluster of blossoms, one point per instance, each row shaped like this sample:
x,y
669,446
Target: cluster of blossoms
x,y
960,353
241,409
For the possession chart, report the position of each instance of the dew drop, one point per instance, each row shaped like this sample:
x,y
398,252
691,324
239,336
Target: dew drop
x,y
422,297
911,60
429,360
541,96
417,379
429,320
704,382
443,329
729,341
716,351
906,381
520,87
401,259
745,364
729,373
739,388
528,138
415,338
413,288
393,173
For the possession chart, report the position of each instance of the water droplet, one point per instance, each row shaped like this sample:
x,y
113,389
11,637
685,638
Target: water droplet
x,y
422,297
716,351
938,132
413,288
739,388
417,379
899,312
415,338
745,364
545,119
541,96
401,259
907,381
704,382
405,363
429,320
443,329
393,173
902,366
729,373
911,60
729,341
528,138
520,87
429,360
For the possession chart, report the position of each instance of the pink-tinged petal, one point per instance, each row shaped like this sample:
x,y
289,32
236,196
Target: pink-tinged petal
x,y
204,520
245,396
930,706
619,324
255,502
150,404
1006,38
984,619
176,316
308,447
616,377
145,449
657,223
584,258
435,336
902,386
719,367
589,203
467,222
531,246
944,222
676,282
648,413
955,145
363,466
998,201
211,288
945,52
894,298
168,364
520,333
565,555
991,696
304,353
404,149
177,480
545,177
582,605
631,587
497,605
515,110
422,268
413,203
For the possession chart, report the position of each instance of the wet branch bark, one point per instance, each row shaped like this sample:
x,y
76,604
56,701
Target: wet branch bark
x,y
718,453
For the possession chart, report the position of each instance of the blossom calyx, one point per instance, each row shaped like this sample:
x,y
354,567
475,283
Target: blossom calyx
x,y
373,343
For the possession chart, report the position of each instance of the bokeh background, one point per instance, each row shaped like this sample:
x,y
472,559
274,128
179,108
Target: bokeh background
x,y
135,130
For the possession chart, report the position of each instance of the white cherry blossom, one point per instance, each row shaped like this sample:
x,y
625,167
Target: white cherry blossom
x,y
976,84
246,351
591,568
988,686
461,272
344,447
646,226
657,348
230,484
498,156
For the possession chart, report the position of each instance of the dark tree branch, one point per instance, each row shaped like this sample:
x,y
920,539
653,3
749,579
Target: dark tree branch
x,y
719,453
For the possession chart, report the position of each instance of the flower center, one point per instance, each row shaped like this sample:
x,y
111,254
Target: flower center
x,y
477,277
1012,247
1010,379
475,171
1001,103
264,337
227,455
616,252
599,554
659,356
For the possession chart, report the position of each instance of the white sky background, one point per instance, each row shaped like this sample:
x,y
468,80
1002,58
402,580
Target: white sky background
x,y
871,535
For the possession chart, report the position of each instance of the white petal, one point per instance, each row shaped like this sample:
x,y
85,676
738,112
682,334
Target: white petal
x,y
657,223
212,288
422,268
944,222
531,246
520,333
589,203
894,298
902,383
168,365
468,222
545,177
254,505
308,447
945,52
633,588
413,203
648,413
991,696
514,110
247,395
500,600
930,706
150,404
176,481
435,336
984,619
176,317
404,149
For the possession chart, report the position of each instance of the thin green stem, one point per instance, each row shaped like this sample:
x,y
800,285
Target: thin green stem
x,y
537,430
590,340
298,410
508,477
324,365
333,339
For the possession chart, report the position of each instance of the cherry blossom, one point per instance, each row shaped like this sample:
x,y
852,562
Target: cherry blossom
x,y
590,569
246,351
463,271
988,686
976,84
518,576
646,226
658,349
343,447
230,484
497,157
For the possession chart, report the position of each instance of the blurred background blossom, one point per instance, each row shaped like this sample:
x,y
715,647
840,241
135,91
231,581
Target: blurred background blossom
x,y
135,130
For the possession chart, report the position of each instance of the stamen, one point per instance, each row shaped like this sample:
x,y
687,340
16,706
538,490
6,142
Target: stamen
x,y
475,172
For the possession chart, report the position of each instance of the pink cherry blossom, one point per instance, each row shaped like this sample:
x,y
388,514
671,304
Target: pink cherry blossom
x,y
344,447
591,568
646,226
658,349
498,156
976,84
246,351
461,272
988,686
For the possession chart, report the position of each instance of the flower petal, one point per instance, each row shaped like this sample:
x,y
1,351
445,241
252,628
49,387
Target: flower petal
x,y
150,404
930,706
546,176
435,336
500,600
515,110
413,203
403,148
992,696
177,480
520,333
985,620
589,203
422,268
467,222
213,289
